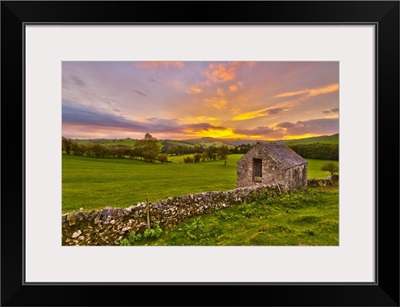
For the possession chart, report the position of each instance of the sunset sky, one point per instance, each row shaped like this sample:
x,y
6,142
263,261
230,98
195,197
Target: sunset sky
x,y
186,100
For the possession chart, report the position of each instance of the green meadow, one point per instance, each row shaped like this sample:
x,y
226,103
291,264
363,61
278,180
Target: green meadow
x,y
94,183
314,168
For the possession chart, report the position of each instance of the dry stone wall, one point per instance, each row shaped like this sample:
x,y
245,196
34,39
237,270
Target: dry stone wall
x,y
110,225
319,183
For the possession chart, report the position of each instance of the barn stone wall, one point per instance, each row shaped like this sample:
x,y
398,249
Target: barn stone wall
x,y
273,172
296,177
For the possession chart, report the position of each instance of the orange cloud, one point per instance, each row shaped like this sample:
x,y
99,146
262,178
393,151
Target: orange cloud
x,y
233,88
311,92
186,120
324,90
201,119
219,104
163,64
264,112
194,90
220,92
216,102
290,94
331,116
222,72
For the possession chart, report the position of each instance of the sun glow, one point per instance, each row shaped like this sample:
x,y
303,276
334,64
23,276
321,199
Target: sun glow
x,y
214,133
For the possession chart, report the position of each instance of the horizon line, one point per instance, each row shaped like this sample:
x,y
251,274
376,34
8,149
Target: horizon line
x,y
209,137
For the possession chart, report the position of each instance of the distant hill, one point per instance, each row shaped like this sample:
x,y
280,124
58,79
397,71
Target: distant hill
x,y
237,142
108,142
205,142
326,139
208,141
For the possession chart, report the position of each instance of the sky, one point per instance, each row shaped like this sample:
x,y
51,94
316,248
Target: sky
x,y
188,100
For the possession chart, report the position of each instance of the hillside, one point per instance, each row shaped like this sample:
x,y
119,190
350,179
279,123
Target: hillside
x,y
326,139
207,142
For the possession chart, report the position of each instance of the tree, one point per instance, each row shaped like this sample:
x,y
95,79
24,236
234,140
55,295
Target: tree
x,y
197,157
330,167
66,144
78,149
204,157
148,136
98,151
211,153
198,149
317,151
223,152
148,148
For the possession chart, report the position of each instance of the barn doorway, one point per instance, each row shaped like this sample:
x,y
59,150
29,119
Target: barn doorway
x,y
257,169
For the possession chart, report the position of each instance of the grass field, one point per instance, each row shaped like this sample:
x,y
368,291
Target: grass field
x,y
302,218
91,183
314,168
95,183
179,159
314,165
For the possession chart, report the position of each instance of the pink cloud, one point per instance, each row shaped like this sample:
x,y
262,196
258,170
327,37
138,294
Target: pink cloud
x,y
162,64
222,72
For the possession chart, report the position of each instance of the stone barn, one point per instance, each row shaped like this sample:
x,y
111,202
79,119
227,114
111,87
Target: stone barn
x,y
272,164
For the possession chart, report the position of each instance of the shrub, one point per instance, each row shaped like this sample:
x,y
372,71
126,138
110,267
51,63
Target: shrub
x,y
154,233
188,160
163,158
132,238
194,229
330,167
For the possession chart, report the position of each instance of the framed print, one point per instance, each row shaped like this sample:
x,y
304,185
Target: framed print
x,y
245,152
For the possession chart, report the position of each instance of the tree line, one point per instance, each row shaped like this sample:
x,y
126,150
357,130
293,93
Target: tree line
x,y
317,151
179,150
211,153
148,149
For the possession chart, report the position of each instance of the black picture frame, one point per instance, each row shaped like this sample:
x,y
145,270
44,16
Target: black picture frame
x,y
383,14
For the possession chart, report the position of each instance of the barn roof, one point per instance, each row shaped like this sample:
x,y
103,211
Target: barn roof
x,y
283,154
